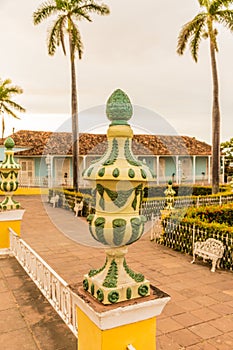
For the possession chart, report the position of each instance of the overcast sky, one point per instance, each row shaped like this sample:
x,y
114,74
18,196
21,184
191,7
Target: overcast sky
x,y
134,48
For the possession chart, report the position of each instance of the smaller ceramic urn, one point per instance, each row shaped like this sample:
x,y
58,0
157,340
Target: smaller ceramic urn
x,y
169,193
9,176
118,179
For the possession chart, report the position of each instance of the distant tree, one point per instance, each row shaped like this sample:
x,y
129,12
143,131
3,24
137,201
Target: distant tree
x,y
202,26
7,105
227,151
68,14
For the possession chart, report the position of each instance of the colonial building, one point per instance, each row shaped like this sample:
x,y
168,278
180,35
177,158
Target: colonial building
x,y
46,157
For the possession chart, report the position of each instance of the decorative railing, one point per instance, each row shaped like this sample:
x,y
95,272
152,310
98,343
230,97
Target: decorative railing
x,y
26,181
181,237
59,182
51,285
150,207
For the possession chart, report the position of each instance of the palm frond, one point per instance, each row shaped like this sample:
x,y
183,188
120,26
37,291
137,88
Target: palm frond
x,y
7,91
6,82
61,33
53,40
70,10
204,3
14,90
44,11
77,44
9,111
6,104
61,4
74,2
195,41
101,10
188,30
81,14
225,17
218,4
55,35
3,93
15,105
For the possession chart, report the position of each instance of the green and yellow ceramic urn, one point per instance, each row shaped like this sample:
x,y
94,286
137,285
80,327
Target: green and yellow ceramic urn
x,y
118,179
9,169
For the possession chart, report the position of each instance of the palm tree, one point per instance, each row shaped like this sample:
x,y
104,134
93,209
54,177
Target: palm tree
x,y
202,26
68,13
7,90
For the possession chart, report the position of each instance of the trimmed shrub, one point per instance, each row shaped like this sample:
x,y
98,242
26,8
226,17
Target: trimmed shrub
x,y
219,214
181,190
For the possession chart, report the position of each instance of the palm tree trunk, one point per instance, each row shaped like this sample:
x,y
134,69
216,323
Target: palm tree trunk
x,y
74,111
215,123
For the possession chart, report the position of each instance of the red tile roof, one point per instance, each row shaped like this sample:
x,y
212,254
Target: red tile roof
x,y
46,142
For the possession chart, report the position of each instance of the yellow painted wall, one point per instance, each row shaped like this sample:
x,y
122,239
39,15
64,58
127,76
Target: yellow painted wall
x,y
4,231
141,335
28,191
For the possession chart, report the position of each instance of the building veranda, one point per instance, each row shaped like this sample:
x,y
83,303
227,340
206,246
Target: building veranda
x,y
46,157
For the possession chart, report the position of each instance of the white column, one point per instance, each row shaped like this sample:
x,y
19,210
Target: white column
x,y
209,168
223,169
157,169
177,169
194,169
81,170
84,162
49,163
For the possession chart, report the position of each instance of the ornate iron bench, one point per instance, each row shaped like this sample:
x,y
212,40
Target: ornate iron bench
x,y
211,249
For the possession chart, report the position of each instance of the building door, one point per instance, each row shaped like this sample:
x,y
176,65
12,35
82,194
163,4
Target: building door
x,y
62,171
26,173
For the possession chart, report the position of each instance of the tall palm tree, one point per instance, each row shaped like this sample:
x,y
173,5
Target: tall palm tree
x,y
203,26
68,14
7,105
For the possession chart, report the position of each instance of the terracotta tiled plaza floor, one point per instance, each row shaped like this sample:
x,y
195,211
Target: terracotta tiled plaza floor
x,y
198,317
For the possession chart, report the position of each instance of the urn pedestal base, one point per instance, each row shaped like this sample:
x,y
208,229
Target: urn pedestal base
x,y
127,325
115,281
9,219
9,203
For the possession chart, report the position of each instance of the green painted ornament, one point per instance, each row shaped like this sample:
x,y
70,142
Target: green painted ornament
x,y
100,295
119,108
9,143
92,289
85,284
128,293
113,296
143,290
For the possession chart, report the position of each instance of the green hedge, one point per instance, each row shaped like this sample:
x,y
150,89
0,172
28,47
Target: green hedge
x,y
181,190
212,214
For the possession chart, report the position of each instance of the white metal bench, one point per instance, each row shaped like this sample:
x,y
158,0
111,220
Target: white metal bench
x,y
78,208
54,200
211,249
